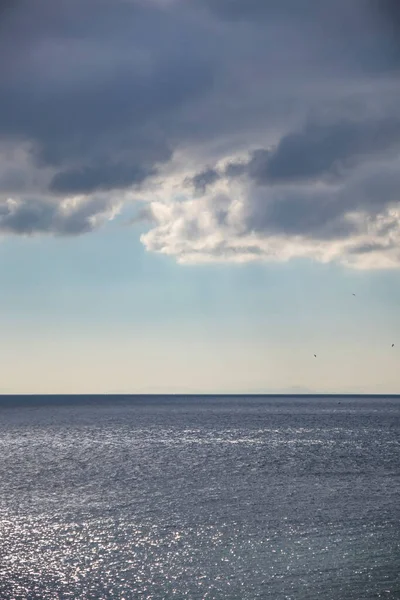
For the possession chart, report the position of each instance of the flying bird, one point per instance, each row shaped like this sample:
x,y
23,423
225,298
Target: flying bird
x,y
315,356
392,345
353,294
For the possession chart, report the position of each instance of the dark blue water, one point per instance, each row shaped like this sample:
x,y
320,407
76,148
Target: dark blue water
x,y
200,498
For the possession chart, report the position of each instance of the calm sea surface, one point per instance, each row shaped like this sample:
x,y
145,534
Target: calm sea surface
x,y
207,497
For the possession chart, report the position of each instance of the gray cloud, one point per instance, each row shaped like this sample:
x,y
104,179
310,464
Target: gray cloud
x,y
256,9
326,213
201,181
371,247
105,95
84,94
32,216
90,179
96,74
361,33
321,149
144,215
357,222
300,212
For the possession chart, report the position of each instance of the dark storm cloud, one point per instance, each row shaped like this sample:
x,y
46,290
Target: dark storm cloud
x,y
298,212
86,71
256,9
90,179
357,33
324,214
85,90
388,11
67,123
5,6
319,150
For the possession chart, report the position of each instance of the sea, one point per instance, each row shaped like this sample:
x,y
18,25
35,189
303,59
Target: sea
x,y
199,497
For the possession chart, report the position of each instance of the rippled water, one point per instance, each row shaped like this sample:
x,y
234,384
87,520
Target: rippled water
x,y
197,498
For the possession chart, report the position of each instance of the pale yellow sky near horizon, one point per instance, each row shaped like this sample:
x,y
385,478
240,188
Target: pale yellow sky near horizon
x,y
118,363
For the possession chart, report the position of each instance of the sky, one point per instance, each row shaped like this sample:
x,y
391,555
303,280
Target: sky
x,y
198,196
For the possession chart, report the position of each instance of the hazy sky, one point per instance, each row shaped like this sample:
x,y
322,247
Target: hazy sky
x,y
191,191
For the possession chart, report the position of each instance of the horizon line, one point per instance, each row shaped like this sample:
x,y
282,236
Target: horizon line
x,y
203,395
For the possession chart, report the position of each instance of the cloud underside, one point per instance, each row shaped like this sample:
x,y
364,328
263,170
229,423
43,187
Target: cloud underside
x,y
248,130
274,227
69,217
